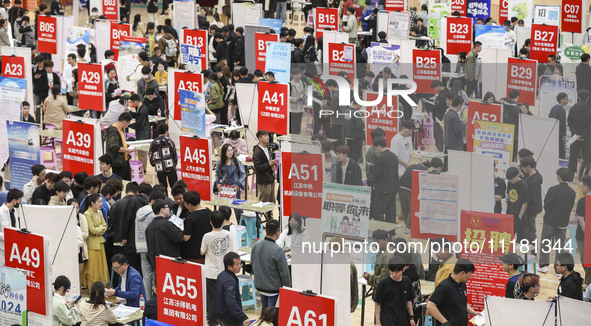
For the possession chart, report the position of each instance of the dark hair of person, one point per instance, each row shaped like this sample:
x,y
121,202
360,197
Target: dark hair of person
x,y
97,295
89,200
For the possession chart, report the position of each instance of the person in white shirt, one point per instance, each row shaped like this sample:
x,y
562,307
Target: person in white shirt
x,y
215,245
296,233
68,78
401,145
8,218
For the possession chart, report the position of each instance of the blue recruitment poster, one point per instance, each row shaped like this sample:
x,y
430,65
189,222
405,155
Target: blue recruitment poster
x,y
279,60
274,24
478,9
23,150
549,15
13,302
192,112
12,89
77,35
490,36
380,55
191,56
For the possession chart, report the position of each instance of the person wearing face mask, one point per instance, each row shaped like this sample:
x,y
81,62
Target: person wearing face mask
x,y
147,81
238,143
161,75
296,233
14,199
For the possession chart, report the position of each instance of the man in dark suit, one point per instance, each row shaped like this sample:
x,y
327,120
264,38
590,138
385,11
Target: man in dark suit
x,y
583,73
264,166
46,80
420,30
387,180
348,171
134,285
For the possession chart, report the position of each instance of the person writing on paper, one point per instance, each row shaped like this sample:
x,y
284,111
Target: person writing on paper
x,y
117,148
95,311
237,142
131,285
55,108
296,233
64,313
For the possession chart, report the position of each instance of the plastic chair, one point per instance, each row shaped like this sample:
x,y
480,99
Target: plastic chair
x,y
52,162
137,171
241,233
249,219
246,284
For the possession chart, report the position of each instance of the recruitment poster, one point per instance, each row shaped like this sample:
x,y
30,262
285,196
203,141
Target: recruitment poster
x,y
180,292
495,139
490,36
549,15
345,209
117,32
195,165
188,81
183,15
398,25
47,34
128,68
434,26
442,7
381,55
572,16
12,89
24,149
341,57
261,40
13,302
438,207
191,56
522,76
111,9
459,35
480,111
193,112
302,191
479,9
274,24
426,69
550,86
522,9
278,61
273,104
78,149
381,116
486,236
77,35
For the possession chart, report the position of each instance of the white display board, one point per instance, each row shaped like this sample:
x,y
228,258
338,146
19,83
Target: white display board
x,y
63,29
58,223
573,312
477,177
540,135
247,97
332,37
505,311
184,14
246,13
439,210
494,75
25,53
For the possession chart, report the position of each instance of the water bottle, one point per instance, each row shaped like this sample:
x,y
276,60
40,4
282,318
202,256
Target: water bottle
x,y
159,113
142,302
74,293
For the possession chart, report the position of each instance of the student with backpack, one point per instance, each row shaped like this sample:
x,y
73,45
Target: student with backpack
x,y
169,47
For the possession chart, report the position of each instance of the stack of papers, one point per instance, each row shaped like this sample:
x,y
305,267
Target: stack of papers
x,y
123,311
261,204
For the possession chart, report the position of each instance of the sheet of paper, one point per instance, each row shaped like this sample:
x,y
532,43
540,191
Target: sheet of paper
x,y
123,311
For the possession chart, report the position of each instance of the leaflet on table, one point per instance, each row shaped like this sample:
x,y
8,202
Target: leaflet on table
x,y
438,210
123,311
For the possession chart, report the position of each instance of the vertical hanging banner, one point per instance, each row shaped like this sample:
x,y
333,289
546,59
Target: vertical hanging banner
x,y
326,18
544,42
522,76
23,149
486,237
426,68
13,66
14,301
278,61
117,31
495,139
90,87
198,38
459,5
341,57
395,5
301,308
503,10
29,252
193,112
273,103
78,146
459,35
111,9
302,191
261,40
195,165
572,16
479,9
480,111
191,56
381,116
188,81
181,292
47,34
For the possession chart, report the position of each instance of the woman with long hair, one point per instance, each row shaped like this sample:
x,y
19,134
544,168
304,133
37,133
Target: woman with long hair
x,y
489,98
64,313
95,311
310,55
96,268
55,107
216,95
138,29
230,172
296,233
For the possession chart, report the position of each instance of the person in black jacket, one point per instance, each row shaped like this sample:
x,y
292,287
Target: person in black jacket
x,y
355,134
56,8
571,282
239,60
438,108
558,204
583,73
511,112
141,125
13,13
227,305
264,165
420,31
387,180
348,172
579,122
45,81
500,193
221,49
162,237
534,203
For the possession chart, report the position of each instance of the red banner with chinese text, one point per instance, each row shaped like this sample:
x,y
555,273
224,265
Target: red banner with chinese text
x,y
47,34
426,69
572,16
380,116
273,103
196,166
13,66
78,150
544,41
459,35
522,76
326,18
302,191
341,57
188,81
